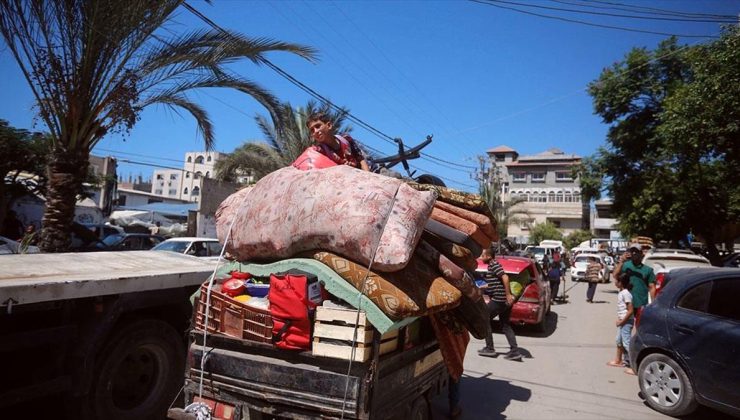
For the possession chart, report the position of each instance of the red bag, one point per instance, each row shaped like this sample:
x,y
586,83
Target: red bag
x,y
311,159
289,307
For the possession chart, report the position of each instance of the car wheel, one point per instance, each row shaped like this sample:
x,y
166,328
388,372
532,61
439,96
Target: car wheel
x,y
542,325
420,409
665,386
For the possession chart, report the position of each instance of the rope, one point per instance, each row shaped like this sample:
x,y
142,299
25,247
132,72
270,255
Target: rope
x,y
361,292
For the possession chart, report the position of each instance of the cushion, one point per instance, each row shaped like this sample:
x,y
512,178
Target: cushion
x,y
482,221
416,290
338,209
472,202
463,225
455,275
458,254
453,340
452,235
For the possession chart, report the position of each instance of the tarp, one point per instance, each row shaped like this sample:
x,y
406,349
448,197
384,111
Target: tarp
x,y
165,209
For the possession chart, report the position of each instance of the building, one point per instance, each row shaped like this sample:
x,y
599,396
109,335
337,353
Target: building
x,y
186,183
546,184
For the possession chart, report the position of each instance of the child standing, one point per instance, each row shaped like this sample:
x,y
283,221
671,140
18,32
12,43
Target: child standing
x,y
624,322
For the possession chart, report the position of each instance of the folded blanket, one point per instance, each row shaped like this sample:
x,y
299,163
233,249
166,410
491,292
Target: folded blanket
x,y
482,221
453,340
463,225
339,209
416,290
458,254
453,235
455,275
472,202
474,314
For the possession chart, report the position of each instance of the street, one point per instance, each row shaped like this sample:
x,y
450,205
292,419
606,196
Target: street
x,y
563,374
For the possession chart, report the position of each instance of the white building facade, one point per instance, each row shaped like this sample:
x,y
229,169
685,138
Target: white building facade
x,y
186,184
546,184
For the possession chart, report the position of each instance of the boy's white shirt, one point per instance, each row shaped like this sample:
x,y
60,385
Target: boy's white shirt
x,y
623,298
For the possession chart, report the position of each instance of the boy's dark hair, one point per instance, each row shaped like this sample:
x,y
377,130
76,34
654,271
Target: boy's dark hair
x,y
318,116
624,280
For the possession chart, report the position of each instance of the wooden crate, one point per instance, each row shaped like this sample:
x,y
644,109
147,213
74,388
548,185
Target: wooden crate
x,y
334,330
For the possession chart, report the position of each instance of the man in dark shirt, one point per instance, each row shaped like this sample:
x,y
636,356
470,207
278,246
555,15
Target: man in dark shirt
x,y
499,304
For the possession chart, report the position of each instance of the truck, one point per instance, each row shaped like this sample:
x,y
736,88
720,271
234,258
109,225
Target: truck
x,y
95,335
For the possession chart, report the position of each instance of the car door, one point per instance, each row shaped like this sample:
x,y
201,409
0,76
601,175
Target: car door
x,y
704,328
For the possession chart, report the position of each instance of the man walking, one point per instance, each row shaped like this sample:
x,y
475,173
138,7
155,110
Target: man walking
x,y
499,304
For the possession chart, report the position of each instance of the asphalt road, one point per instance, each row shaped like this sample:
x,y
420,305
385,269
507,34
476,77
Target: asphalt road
x,y
564,373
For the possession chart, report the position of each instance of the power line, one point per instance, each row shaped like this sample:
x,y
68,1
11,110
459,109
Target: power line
x,y
638,9
383,136
581,22
586,12
137,155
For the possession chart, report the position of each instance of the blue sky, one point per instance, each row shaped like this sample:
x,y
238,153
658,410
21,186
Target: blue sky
x,y
473,75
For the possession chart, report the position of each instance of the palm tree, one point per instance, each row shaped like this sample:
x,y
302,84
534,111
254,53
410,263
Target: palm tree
x,y
590,173
282,146
93,66
506,212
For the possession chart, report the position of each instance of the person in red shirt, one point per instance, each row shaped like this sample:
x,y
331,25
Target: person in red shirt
x,y
340,148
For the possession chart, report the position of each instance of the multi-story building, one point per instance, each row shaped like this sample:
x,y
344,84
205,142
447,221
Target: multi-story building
x,y
546,184
186,183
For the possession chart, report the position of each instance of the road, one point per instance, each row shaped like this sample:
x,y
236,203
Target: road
x,y
564,373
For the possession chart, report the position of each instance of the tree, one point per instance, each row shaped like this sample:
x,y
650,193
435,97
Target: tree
x,y
283,144
93,66
543,231
576,237
672,146
590,174
505,212
22,152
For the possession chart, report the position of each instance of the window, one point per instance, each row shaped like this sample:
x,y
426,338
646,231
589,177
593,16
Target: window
x,y
190,159
199,160
724,298
214,248
697,298
121,200
556,223
209,159
198,175
172,192
519,177
185,191
551,197
500,157
208,174
173,177
160,176
187,174
196,191
563,177
538,177
158,192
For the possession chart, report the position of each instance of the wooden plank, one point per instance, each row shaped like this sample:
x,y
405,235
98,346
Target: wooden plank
x,y
338,332
343,315
427,363
341,352
389,346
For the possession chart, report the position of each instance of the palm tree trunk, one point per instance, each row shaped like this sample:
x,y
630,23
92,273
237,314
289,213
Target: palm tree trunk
x,y
66,172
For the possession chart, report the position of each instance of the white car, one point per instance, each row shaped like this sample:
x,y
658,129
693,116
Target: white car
x,y
662,261
9,246
208,248
578,269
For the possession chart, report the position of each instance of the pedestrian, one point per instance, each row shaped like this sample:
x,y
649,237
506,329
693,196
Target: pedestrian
x,y
340,148
593,276
499,304
640,277
554,276
154,230
625,321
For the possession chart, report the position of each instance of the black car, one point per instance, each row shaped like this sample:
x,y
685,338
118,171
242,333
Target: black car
x,y
129,242
686,350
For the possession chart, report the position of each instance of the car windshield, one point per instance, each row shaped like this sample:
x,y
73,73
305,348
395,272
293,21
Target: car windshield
x,y
583,259
536,250
111,240
675,262
174,246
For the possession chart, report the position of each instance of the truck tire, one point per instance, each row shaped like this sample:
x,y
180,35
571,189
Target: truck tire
x,y
420,409
138,373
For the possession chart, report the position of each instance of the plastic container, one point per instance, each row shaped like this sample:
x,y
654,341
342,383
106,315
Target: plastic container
x,y
257,290
233,287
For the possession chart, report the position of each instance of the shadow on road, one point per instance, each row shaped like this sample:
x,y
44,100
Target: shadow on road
x,y
484,397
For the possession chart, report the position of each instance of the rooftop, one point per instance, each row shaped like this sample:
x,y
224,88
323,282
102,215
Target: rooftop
x,y
501,149
553,154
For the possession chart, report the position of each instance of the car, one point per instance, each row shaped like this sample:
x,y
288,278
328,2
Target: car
x,y
540,252
128,242
580,262
662,261
533,304
9,246
200,247
732,260
686,344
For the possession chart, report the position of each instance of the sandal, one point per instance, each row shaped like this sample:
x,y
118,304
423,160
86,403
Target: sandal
x,y
629,371
612,364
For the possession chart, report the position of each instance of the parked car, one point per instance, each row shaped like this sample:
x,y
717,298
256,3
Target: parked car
x,y
540,252
580,262
86,235
199,247
534,303
9,246
128,242
662,261
732,260
685,349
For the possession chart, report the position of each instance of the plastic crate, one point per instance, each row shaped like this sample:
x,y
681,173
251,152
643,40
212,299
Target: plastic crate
x,y
235,319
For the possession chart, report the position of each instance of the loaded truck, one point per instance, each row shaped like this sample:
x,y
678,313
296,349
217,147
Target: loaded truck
x,y
95,335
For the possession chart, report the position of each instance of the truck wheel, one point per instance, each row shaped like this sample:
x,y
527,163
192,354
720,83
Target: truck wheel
x,y
138,372
420,409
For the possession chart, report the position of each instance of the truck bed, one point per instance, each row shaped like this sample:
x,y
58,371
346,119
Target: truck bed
x,y
34,278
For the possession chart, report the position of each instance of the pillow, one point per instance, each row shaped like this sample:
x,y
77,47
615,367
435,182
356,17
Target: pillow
x,y
339,209
416,290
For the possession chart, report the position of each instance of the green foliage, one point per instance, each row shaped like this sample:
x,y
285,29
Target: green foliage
x,y
576,238
543,231
673,146
286,138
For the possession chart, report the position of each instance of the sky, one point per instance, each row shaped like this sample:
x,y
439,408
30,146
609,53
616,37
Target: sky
x,y
473,75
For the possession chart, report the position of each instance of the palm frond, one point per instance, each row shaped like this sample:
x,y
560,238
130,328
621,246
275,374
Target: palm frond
x,y
205,127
